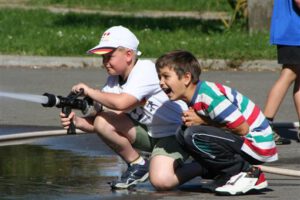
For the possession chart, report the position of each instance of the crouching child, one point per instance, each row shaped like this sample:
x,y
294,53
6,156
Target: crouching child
x,y
223,129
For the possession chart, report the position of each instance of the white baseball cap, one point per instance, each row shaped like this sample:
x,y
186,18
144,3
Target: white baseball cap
x,y
114,37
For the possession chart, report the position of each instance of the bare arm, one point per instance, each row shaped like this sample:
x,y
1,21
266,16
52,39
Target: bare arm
x,y
121,102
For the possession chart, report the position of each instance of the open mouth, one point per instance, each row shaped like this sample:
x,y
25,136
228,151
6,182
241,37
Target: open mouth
x,y
167,90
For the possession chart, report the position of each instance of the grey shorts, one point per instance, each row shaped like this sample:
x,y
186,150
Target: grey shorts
x,y
167,146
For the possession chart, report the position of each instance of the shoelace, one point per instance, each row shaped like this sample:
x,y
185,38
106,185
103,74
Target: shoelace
x,y
234,179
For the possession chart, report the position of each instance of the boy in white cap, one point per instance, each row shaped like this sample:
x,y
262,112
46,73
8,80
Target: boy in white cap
x,y
137,114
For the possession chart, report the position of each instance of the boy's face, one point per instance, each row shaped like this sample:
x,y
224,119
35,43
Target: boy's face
x,y
170,83
117,61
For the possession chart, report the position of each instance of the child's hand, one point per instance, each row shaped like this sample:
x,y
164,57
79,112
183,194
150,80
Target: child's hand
x,y
66,121
191,118
80,86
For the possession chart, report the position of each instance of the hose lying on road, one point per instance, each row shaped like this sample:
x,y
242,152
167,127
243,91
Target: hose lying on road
x,y
37,134
280,171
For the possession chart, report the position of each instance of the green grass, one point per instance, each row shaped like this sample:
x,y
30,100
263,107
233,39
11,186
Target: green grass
x,y
138,5
38,32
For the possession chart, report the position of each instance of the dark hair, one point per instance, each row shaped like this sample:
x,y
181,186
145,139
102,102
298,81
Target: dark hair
x,y
181,62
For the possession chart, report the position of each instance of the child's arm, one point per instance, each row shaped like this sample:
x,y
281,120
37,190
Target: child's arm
x,y
242,129
191,118
121,102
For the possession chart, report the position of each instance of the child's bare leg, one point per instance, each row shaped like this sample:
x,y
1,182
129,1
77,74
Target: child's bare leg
x,y
278,91
118,132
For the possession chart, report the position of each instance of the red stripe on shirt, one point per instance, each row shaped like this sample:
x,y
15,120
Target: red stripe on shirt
x,y
253,115
221,88
263,152
200,106
236,123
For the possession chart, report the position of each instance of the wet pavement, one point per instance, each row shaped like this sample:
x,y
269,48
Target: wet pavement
x,y
80,166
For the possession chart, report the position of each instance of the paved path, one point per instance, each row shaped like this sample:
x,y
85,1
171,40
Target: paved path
x,y
59,81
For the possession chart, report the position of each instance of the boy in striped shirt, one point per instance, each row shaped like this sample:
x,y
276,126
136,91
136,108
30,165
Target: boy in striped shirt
x,y
223,130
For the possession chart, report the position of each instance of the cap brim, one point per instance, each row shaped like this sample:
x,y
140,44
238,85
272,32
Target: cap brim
x,y
101,51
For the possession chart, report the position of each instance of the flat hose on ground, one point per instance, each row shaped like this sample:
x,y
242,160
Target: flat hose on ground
x,y
37,134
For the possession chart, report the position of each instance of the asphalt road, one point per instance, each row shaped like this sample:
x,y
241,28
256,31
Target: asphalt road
x,y
254,84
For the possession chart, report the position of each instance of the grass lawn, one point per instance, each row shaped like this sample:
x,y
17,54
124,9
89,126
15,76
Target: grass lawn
x,y
39,32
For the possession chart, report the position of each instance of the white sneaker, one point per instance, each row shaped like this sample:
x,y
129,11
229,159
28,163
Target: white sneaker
x,y
243,182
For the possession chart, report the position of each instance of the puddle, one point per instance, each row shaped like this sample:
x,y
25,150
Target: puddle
x,y
61,167
70,167
36,172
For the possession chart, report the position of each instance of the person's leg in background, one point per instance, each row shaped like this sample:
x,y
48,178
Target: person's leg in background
x,y
296,96
289,57
276,96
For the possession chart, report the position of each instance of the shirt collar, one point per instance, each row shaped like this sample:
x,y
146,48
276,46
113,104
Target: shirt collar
x,y
195,93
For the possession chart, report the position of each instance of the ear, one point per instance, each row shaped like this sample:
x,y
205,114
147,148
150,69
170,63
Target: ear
x,y
129,55
187,78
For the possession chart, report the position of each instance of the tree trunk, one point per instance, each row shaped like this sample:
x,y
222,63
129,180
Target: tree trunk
x,y
259,15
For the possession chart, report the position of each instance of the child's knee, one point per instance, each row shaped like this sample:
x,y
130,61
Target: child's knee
x,y
161,182
161,173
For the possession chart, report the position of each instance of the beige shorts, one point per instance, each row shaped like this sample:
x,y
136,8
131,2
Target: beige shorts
x,y
167,146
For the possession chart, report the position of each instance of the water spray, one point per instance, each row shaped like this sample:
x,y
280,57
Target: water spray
x,y
73,101
24,96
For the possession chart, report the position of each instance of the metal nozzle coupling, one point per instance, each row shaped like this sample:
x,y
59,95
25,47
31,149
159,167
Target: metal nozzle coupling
x,y
52,100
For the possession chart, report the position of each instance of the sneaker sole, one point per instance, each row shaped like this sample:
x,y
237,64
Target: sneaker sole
x,y
132,184
260,186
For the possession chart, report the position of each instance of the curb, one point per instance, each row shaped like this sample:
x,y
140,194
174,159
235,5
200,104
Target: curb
x,y
48,62
91,62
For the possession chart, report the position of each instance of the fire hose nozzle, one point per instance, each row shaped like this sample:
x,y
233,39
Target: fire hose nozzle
x,y
86,105
52,100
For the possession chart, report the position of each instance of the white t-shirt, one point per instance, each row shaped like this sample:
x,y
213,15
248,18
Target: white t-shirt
x,y
161,115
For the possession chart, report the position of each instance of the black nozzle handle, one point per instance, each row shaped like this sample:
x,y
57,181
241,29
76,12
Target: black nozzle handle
x,y
67,110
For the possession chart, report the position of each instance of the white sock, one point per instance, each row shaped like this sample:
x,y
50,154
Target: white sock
x,y
140,161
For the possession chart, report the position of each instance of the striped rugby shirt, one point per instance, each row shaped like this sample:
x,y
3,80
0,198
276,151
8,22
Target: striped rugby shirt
x,y
229,107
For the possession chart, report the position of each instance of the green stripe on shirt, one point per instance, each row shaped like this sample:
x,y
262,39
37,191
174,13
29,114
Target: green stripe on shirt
x,y
217,99
260,138
244,104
